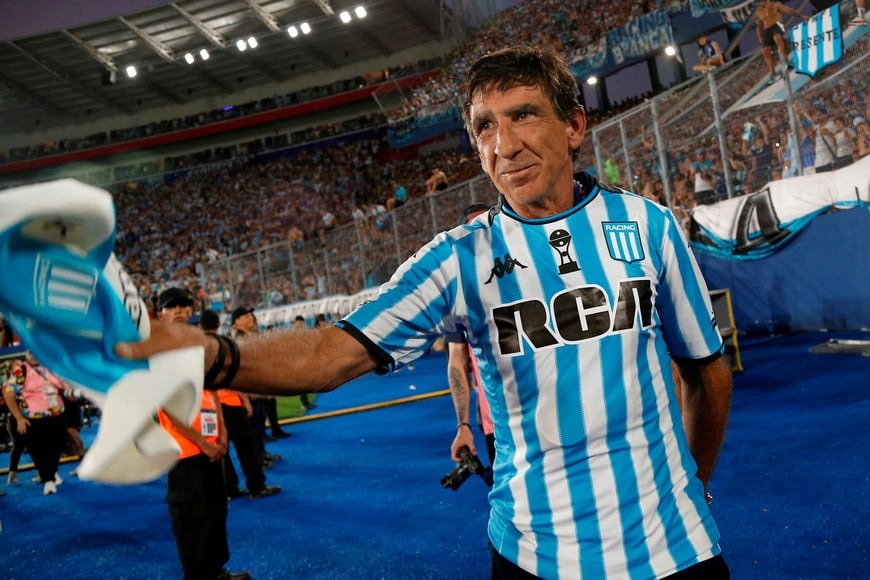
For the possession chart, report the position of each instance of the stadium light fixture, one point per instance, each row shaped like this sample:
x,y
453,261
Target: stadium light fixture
x,y
293,31
188,58
345,16
252,42
592,81
204,55
360,12
241,45
670,50
131,71
305,28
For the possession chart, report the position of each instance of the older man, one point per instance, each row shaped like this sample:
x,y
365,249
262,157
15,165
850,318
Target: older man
x,y
573,297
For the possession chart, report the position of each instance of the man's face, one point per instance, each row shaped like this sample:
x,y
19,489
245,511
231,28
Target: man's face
x,y
247,323
525,148
176,312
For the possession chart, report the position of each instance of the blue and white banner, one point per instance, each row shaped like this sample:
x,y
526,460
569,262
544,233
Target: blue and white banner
x,y
817,42
737,15
701,7
640,36
589,58
756,225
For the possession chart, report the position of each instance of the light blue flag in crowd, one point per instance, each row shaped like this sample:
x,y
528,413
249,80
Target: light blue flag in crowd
x,y
701,7
70,304
817,42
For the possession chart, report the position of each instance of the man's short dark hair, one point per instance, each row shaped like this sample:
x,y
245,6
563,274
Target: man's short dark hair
x,y
472,209
209,320
522,66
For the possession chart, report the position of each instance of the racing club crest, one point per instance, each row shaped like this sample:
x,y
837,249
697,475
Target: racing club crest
x,y
623,241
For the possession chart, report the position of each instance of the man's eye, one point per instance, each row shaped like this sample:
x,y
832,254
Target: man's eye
x,y
482,126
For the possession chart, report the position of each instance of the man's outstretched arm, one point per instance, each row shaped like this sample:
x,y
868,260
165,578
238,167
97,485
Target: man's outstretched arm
x,y
280,363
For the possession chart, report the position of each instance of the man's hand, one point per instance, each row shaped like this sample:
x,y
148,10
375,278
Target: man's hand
x,y
212,450
464,438
165,337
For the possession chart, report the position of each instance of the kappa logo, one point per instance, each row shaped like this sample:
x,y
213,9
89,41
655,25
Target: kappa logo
x,y
503,268
623,241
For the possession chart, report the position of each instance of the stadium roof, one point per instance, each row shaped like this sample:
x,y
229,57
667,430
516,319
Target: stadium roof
x,y
78,74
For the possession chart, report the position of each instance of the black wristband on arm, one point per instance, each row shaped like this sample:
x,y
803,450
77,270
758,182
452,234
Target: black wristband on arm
x,y
464,424
235,358
216,366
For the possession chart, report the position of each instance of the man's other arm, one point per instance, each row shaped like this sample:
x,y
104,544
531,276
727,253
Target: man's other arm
x,y
706,404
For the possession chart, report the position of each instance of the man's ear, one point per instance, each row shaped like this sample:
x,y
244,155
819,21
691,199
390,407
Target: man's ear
x,y
576,128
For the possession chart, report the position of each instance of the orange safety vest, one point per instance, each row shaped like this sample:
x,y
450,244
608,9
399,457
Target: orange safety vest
x,y
229,398
206,422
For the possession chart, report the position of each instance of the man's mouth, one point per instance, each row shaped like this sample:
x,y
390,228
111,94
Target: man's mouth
x,y
512,172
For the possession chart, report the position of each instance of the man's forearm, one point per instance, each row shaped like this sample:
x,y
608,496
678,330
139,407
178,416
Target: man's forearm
x,y
460,393
707,401
293,362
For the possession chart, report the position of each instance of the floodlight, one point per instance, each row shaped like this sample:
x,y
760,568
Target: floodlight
x,y
360,12
592,81
344,16
189,58
204,55
293,32
305,28
241,45
131,71
252,42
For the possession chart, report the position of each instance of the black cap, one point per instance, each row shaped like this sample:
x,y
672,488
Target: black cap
x,y
173,296
241,311
209,320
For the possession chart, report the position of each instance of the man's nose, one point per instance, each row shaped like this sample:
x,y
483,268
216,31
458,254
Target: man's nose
x,y
508,141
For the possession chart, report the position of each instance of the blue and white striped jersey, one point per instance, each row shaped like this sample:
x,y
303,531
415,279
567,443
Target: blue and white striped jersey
x,y
574,319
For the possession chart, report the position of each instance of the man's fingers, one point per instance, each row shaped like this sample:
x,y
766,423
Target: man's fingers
x,y
164,337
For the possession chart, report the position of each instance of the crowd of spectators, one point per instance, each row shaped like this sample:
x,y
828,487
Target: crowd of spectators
x,y
231,201
169,232
564,26
831,114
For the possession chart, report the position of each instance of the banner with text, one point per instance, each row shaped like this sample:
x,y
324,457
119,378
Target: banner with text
x,y
640,37
817,42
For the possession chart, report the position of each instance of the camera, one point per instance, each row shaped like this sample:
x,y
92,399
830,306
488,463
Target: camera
x,y
469,465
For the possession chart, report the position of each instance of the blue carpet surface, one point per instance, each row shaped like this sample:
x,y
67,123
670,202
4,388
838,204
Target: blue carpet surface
x,y
362,497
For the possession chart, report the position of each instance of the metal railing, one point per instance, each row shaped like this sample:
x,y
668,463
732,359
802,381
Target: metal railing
x,y
344,260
